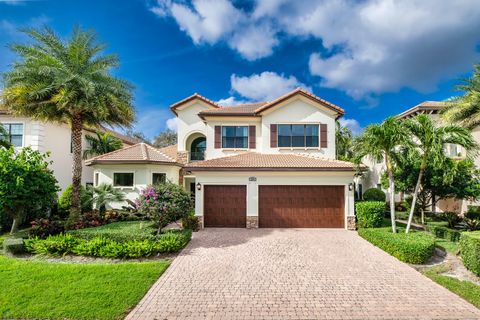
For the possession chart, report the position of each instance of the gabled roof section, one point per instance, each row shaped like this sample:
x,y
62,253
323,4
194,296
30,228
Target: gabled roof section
x,y
194,96
429,107
140,153
247,110
252,161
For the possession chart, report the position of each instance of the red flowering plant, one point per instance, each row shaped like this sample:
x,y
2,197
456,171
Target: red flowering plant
x,y
164,203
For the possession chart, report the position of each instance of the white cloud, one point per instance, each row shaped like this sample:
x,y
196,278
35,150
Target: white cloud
x,y
230,101
172,124
352,124
265,86
369,47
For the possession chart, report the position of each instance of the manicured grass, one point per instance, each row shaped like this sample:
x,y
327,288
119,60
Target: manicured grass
x,y
119,231
465,289
449,246
44,290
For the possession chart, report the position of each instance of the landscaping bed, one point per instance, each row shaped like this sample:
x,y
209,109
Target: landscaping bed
x,y
43,290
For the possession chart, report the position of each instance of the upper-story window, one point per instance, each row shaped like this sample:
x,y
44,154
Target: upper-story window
x,y
14,133
298,135
235,137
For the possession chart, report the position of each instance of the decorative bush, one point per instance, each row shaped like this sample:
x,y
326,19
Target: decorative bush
x,y
13,245
45,227
164,203
412,247
64,202
473,212
191,222
440,230
101,246
370,213
470,251
374,194
119,231
452,218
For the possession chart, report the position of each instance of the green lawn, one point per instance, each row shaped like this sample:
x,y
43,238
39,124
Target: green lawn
x,y
465,289
449,246
44,290
118,231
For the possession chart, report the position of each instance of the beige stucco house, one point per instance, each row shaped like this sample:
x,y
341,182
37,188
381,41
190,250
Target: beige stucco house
x,y
269,164
54,138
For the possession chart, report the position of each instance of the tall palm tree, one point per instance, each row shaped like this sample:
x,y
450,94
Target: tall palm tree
x,y
429,139
100,144
465,110
4,138
381,142
343,142
68,81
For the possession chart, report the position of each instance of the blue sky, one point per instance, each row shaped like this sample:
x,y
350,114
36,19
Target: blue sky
x,y
373,58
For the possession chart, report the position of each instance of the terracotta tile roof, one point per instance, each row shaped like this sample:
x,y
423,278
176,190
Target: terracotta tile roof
x,y
170,151
255,109
253,161
426,106
194,96
138,153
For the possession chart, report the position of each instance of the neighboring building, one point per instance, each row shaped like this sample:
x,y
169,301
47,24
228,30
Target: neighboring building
x,y
54,138
269,164
371,177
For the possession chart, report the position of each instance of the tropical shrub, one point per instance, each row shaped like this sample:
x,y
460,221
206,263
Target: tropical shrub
x,y
44,227
103,195
370,213
65,200
452,218
26,183
173,241
413,247
470,251
164,203
473,212
54,245
374,194
471,224
191,222
441,230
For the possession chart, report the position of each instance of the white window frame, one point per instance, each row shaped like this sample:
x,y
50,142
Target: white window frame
x,y
123,187
300,148
235,125
23,130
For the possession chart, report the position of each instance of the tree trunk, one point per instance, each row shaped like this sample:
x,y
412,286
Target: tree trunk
x,y
414,200
16,222
77,128
392,200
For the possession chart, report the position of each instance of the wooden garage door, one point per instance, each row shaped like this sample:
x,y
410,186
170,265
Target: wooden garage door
x,y
225,206
301,206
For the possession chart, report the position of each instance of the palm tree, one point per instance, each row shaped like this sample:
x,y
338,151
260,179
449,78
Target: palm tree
x,y
4,138
381,142
100,144
465,110
343,142
103,195
68,81
429,139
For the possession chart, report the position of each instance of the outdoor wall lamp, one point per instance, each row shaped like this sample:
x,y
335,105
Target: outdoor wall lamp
x,y
350,187
199,186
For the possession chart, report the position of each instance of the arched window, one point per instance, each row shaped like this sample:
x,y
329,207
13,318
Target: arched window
x,y
197,151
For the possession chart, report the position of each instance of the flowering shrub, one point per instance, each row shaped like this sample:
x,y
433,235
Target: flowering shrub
x,y
164,203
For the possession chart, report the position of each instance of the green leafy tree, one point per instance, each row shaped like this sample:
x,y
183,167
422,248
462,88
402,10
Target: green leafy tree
x,y
4,142
465,109
137,135
100,144
104,194
26,183
165,139
68,81
430,139
381,142
343,142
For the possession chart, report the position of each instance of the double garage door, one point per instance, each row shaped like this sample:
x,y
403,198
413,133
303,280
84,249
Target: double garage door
x,y
278,206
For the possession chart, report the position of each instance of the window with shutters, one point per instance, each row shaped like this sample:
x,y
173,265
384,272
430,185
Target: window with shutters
x,y
235,137
298,135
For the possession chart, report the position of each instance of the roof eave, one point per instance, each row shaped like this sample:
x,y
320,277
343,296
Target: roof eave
x,y
270,169
121,162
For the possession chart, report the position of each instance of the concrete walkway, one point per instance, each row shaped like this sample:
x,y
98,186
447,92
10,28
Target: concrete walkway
x,y
294,274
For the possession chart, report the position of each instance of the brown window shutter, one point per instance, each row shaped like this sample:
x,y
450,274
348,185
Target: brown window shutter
x,y
273,136
323,136
252,137
218,137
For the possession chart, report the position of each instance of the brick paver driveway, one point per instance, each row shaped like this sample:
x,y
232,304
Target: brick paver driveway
x,y
294,274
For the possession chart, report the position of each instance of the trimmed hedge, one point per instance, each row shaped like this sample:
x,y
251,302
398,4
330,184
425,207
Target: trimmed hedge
x,y
374,194
100,246
370,213
440,230
470,250
413,247
119,231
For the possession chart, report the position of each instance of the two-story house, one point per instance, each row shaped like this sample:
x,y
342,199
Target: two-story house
x,y
54,138
268,164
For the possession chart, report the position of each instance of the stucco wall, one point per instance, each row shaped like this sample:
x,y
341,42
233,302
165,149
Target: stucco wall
x,y
273,178
189,122
142,177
